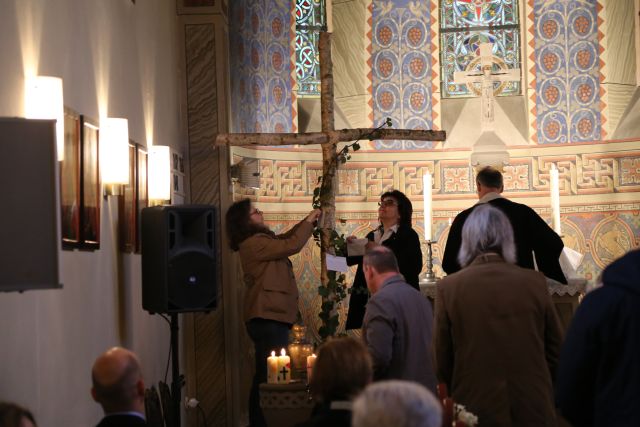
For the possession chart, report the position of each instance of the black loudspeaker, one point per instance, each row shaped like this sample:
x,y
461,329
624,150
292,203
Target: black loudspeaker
x,y
179,259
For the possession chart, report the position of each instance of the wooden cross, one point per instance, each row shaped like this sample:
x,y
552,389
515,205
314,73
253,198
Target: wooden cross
x,y
328,138
486,78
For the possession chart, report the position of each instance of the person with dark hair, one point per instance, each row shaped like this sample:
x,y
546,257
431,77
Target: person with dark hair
x,y
334,388
271,299
395,232
12,415
497,336
398,323
118,387
532,235
598,381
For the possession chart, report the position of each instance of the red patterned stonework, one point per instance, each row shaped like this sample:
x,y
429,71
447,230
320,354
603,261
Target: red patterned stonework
x,y
384,35
552,129
550,60
414,36
583,57
255,23
550,28
385,67
276,27
551,94
417,100
456,179
584,92
581,25
386,99
276,61
630,173
585,127
416,66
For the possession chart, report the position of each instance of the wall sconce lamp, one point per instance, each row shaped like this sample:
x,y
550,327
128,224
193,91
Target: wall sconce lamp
x,y
159,174
114,154
44,100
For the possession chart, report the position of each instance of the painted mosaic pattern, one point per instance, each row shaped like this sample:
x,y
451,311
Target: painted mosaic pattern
x,y
467,23
401,68
260,34
567,71
599,233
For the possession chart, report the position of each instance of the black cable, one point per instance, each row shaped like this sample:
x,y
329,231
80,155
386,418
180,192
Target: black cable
x,y
166,371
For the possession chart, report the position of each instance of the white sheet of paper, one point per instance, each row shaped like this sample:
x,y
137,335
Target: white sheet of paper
x,y
356,247
337,263
570,261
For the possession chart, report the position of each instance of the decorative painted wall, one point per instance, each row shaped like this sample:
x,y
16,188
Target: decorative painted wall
x,y
563,67
261,38
567,69
401,68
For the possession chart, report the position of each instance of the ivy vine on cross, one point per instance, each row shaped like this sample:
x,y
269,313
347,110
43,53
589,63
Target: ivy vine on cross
x,y
332,289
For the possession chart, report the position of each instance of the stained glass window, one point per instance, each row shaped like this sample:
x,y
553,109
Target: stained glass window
x,y
464,25
310,18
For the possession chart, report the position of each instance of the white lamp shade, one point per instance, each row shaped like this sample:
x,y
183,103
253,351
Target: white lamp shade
x,y
44,100
114,151
159,173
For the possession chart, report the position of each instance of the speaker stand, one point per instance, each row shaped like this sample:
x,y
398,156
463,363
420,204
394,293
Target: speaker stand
x,y
177,381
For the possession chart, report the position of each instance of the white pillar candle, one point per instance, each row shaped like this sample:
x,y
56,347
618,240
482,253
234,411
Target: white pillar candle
x,y
427,184
272,368
311,361
284,368
555,199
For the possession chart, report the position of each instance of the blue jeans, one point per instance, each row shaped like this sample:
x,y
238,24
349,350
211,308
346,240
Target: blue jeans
x,y
267,336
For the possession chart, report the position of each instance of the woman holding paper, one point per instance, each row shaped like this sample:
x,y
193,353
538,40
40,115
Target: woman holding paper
x,y
271,300
396,233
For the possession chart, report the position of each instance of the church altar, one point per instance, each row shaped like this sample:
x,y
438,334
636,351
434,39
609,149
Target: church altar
x,y
565,297
285,405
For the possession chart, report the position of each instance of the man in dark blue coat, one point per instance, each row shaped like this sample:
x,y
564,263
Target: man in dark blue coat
x,y
598,380
530,232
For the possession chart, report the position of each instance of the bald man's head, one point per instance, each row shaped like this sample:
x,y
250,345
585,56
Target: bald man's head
x,y
117,381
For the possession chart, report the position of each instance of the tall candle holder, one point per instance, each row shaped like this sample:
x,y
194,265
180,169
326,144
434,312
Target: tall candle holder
x,y
429,277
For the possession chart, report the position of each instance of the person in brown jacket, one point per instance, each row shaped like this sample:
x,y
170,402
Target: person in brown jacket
x,y
497,336
271,299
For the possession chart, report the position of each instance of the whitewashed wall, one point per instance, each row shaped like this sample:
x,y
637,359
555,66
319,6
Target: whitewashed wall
x,y
116,58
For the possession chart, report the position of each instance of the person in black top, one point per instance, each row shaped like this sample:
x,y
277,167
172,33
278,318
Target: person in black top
x,y
531,233
394,232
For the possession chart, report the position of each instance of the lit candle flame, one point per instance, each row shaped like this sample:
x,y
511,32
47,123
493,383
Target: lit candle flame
x,y
283,352
273,354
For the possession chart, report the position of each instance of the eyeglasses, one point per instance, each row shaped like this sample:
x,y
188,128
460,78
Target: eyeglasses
x,y
387,203
256,211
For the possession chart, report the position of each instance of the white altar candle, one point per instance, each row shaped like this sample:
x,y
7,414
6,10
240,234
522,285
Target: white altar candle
x,y
427,184
284,368
311,360
272,368
555,199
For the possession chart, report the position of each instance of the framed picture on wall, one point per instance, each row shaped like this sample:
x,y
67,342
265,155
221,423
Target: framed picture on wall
x,y
177,178
127,212
70,182
91,196
142,190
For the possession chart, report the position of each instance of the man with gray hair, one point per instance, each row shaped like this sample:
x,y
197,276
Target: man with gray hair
x,y
497,337
396,404
398,322
118,387
531,233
